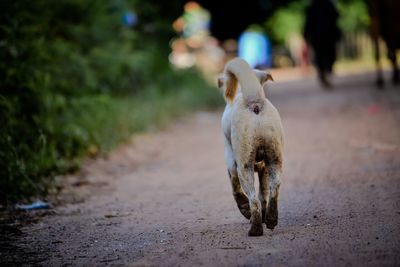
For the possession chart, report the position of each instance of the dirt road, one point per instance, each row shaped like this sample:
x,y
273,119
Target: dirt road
x,y
165,199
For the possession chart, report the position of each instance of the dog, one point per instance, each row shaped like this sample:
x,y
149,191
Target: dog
x,y
253,140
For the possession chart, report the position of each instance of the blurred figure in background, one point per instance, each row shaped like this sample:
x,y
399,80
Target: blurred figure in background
x,y
195,47
385,21
299,52
194,23
255,48
193,27
322,33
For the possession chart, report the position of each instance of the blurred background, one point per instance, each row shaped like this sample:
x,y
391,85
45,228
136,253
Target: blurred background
x,y
78,77
272,32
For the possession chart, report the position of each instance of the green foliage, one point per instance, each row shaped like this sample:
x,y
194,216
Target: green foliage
x,y
353,16
74,81
289,19
286,21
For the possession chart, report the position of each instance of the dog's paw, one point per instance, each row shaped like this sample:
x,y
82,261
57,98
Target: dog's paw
x,y
256,229
271,218
245,210
243,204
271,222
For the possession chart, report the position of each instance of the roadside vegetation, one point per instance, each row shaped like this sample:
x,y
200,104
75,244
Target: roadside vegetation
x,y
76,80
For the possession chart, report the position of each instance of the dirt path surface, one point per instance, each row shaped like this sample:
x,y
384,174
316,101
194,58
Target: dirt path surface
x,y
165,199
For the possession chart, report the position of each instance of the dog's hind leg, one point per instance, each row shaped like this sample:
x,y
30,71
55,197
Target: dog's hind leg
x,y
271,219
246,177
241,199
263,193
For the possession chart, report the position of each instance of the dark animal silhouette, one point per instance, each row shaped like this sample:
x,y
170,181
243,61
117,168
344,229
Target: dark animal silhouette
x,y
322,33
385,23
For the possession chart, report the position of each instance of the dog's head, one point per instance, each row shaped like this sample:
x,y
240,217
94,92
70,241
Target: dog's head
x,y
229,83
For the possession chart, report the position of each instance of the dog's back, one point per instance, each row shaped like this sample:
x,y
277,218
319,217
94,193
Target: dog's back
x,y
259,130
252,119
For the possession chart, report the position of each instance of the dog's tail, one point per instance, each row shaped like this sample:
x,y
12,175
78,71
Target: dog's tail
x,y
238,70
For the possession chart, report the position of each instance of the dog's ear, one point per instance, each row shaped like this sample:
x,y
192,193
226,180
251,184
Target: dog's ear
x,y
268,77
228,83
263,76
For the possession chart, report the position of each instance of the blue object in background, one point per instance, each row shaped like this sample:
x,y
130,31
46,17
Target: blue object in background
x,y
255,48
129,19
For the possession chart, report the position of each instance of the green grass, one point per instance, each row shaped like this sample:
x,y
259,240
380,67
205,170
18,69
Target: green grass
x,y
107,121
76,127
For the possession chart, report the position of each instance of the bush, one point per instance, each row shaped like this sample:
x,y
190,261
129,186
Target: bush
x,y
74,80
286,21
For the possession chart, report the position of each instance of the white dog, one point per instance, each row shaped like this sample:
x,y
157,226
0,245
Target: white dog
x,y
253,138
